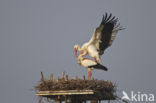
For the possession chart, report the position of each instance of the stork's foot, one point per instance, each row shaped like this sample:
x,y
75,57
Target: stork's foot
x,y
89,74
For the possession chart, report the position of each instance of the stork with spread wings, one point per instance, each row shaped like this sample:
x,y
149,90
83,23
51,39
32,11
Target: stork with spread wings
x,y
102,38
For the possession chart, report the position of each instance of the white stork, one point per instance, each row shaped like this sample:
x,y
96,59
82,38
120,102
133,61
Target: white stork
x,y
102,38
90,65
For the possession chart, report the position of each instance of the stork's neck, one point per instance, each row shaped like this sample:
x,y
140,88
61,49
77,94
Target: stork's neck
x,y
80,57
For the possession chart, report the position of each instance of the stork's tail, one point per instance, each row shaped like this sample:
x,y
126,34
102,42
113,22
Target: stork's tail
x,y
98,66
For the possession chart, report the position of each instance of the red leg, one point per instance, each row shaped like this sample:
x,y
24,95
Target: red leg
x,y
89,74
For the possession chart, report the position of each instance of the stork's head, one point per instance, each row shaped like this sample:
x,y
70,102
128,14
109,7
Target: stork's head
x,y
76,47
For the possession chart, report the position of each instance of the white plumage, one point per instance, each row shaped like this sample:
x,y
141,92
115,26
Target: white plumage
x,y
102,38
90,65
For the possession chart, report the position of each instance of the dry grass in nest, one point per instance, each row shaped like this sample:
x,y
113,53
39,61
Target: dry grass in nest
x,y
77,84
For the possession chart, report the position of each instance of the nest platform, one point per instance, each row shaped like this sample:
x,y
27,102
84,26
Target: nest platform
x,y
75,90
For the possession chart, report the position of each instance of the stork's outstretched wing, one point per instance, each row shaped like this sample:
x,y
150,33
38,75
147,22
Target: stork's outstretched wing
x,y
104,35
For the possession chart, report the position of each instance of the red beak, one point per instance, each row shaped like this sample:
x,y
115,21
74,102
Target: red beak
x,y
75,52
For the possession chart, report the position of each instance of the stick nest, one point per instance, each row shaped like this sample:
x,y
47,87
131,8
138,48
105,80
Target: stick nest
x,y
76,84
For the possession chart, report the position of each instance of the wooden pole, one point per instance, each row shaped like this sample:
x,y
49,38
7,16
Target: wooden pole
x,y
66,78
58,100
42,77
51,77
40,99
63,73
75,99
94,101
68,100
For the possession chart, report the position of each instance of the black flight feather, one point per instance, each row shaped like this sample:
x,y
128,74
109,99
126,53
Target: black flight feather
x,y
98,66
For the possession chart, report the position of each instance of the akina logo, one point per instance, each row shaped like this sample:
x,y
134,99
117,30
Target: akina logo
x,y
138,96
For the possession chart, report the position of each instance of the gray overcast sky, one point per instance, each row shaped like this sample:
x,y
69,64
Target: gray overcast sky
x,y
39,35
